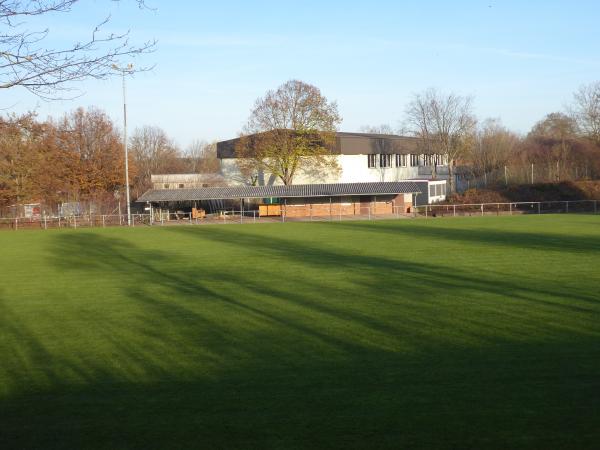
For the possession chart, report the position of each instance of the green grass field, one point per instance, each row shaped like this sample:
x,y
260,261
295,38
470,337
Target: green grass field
x,y
466,333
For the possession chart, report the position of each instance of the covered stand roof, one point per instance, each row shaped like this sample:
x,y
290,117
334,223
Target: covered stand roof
x,y
295,190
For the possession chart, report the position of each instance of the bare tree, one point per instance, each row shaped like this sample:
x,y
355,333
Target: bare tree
x,y
586,110
494,147
26,61
556,125
444,122
556,139
201,157
291,129
153,152
378,129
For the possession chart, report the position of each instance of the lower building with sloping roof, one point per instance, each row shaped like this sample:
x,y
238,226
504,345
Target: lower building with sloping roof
x,y
299,200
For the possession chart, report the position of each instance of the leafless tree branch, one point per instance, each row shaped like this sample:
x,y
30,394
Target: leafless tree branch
x,y
25,61
444,122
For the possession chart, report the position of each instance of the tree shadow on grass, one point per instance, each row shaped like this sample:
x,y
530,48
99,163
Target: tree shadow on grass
x,y
196,352
542,240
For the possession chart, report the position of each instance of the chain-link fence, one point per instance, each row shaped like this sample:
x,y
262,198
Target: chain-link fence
x,y
335,213
224,216
75,221
483,209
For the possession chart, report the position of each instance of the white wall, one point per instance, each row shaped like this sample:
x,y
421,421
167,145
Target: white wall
x,y
354,169
439,188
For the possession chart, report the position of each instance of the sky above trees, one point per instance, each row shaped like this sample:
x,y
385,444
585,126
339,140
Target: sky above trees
x,y
520,60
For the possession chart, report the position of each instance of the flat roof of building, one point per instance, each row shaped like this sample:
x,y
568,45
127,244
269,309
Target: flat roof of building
x,y
282,191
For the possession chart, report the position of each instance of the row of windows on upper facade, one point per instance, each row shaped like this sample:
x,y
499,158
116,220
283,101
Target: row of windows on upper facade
x,y
402,160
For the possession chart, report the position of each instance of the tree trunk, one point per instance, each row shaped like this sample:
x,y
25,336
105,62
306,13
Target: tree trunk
x,y
451,177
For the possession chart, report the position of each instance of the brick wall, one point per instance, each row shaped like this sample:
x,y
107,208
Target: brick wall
x,y
384,205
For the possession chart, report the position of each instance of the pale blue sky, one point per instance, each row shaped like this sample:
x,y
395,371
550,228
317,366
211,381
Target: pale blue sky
x,y
520,60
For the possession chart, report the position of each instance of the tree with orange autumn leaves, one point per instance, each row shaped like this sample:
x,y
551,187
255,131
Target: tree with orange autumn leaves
x,y
79,157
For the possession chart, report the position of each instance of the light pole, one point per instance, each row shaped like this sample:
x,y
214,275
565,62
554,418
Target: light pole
x,y
126,70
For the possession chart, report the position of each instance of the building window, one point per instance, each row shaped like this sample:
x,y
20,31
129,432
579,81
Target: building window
x,y
166,186
432,190
440,160
414,160
400,160
181,186
385,160
372,160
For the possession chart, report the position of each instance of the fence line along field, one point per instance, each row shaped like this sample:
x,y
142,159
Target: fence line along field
x,y
472,333
334,212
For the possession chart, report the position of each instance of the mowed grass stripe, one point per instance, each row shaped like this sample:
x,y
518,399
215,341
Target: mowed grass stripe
x,y
446,333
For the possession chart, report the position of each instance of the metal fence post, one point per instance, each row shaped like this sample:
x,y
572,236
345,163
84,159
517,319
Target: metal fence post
x,y
454,211
103,221
133,220
510,208
75,221
539,207
45,223
254,216
482,209
16,223
567,206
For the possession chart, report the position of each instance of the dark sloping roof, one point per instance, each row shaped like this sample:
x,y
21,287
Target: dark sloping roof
x,y
351,144
295,190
